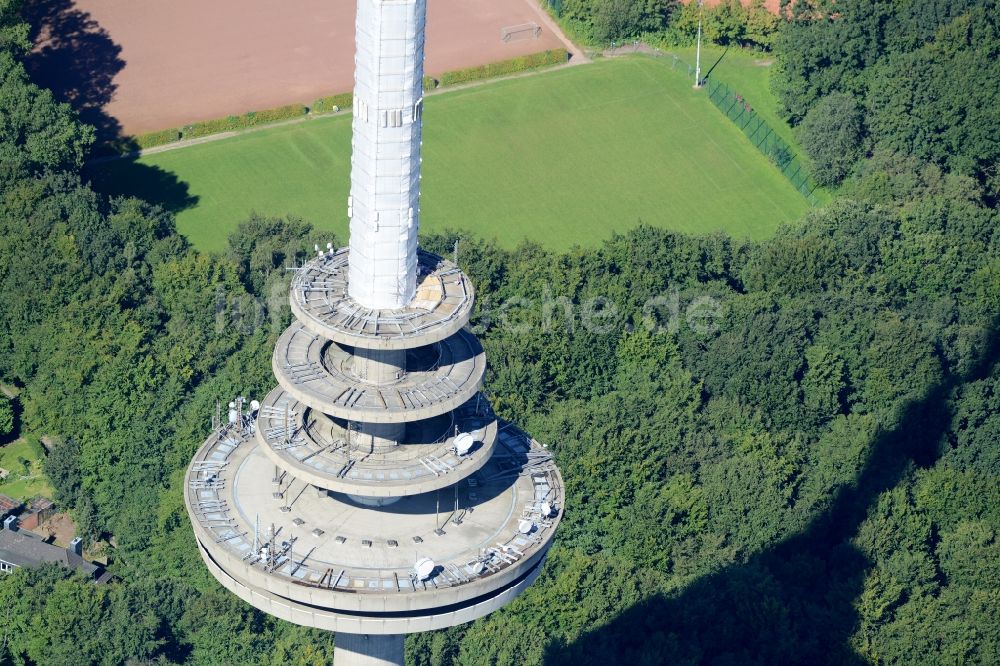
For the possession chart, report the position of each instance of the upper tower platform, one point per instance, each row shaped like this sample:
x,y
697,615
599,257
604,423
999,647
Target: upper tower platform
x,y
321,300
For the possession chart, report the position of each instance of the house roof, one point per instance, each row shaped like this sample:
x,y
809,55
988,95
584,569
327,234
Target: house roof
x,y
27,550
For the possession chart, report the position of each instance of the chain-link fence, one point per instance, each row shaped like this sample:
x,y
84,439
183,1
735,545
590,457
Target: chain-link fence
x,y
678,64
763,136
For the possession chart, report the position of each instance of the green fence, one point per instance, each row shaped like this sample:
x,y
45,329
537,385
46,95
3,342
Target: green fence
x,y
763,136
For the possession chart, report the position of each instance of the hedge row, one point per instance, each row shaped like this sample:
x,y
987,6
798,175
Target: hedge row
x,y
231,123
505,67
325,104
143,141
129,144
332,103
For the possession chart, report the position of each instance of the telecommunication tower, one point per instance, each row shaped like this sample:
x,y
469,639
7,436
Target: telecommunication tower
x,y
373,492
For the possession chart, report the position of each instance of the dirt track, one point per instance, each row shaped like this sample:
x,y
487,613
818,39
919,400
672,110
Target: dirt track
x,y
134,67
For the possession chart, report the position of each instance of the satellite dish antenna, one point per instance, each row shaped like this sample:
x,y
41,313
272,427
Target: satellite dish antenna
x,y
547,510
525,527
464,443
232,405
232,416
424,568
254,405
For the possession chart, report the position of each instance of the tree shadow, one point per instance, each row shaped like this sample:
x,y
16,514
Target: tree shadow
x,y
15,432
794,602
127,176
76,59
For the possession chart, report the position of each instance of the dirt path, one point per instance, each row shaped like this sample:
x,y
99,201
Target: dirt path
x,y
133,67
577,57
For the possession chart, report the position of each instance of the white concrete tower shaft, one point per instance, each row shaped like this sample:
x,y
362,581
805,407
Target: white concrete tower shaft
x,y
385,162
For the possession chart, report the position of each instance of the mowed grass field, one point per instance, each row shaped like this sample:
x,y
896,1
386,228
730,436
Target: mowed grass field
x,y
749,75
567,157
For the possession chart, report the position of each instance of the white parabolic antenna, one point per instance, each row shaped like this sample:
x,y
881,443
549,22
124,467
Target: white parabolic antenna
x,y
464,443
255,405
424,568
525,527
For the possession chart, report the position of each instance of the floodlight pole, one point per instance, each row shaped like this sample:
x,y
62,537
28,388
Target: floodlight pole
x,y
697,61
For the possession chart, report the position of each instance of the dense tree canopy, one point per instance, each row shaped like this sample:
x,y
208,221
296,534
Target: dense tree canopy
x,y
6,417
923,73
831,133
730,22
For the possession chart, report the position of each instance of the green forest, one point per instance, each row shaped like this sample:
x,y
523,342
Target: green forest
x,y
612,23
777,451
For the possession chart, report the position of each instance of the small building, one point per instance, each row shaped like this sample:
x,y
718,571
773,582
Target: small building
x,y
39,510
19,548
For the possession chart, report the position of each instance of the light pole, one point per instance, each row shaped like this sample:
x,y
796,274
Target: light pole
x,y
697,62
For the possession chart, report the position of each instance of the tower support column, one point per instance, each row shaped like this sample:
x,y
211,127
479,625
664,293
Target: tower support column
x,y
368,650
379,367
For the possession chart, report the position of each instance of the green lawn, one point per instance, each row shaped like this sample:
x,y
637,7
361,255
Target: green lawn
x,y
18,484
564,157
749,74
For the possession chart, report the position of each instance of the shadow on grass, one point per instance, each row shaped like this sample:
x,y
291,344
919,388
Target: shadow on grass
x,y
716,64
77,59
795,602
129,177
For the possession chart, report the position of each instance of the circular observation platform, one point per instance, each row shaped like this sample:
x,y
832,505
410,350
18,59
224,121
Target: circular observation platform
x,y
316,449
320,560
441,306
319,374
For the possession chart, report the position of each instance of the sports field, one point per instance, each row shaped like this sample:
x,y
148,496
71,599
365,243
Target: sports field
x,y
566,157
146,66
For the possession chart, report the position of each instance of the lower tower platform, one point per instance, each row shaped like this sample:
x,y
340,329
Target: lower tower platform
x,y
321,559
